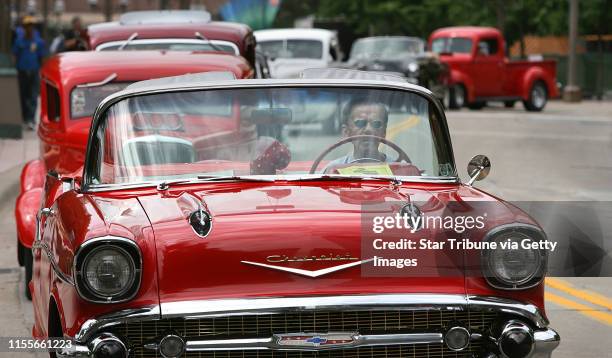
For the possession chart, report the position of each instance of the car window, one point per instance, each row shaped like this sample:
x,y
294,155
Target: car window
x,y
386,47
172,45
53,102
451,45
84,100
272,131
487,47
312,49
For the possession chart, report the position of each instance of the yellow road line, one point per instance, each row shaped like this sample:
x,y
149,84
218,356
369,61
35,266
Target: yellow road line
x,y
583,309
394,130
590,297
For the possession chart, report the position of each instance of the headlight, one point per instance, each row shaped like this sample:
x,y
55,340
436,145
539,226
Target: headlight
x,y
514,264
108,269
413,67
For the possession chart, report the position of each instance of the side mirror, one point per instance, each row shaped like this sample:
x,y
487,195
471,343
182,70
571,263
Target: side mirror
x,y
478,168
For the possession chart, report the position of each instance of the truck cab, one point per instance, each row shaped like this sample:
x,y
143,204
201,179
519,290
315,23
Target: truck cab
x,y
480,71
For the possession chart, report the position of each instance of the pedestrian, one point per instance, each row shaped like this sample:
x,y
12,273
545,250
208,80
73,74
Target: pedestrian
x,y
76,38
28,52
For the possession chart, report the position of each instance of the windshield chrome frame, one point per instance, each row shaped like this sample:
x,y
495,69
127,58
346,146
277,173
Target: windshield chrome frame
x,y
109,101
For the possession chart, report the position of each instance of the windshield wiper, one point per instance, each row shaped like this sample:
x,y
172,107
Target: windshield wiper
x,y
201,37
346,177
207,178
165,185
127,42
109,78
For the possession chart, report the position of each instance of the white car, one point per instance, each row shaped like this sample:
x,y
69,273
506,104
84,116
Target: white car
x,y
290,51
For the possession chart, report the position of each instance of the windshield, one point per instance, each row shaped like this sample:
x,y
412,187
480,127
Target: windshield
x,y
292,49
451,45
84,100
172,45
271,131
386,47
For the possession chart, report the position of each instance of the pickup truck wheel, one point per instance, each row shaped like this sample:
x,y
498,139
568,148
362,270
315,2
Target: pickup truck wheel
x,y
457,96
28,271
538,96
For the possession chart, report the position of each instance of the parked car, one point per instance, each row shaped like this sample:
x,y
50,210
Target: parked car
x,y
290,51
480,71
176,30
72,85
403,55
176,244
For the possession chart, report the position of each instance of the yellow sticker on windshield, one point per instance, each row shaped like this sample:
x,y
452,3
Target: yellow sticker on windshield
x,y
380,169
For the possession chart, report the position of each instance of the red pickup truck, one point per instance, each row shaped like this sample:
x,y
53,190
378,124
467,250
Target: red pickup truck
x,y
480,72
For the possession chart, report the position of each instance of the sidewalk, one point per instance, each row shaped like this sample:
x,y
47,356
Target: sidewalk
x,y
14,154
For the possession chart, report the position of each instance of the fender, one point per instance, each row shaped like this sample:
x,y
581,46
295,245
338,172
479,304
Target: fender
x,y
457,76
32,175
533,74
26,208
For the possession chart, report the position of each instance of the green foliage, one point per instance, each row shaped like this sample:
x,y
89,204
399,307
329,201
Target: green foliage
x,y
421,17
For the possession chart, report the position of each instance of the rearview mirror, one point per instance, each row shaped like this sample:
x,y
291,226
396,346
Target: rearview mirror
x,y
478,168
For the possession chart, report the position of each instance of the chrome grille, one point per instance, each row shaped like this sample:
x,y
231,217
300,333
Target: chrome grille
x,y
405,351
265,325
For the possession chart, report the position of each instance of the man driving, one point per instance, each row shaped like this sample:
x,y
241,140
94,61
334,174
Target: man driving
x,y
362,116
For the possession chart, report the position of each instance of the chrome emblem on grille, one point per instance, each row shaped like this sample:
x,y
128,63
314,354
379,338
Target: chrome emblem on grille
x,y
309,340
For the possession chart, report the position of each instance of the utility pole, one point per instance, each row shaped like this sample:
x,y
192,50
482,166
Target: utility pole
x,y
5,27
572,92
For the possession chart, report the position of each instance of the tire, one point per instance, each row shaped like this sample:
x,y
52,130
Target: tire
x,y
477,105
28,271
538,97
509,104
20,250
457,96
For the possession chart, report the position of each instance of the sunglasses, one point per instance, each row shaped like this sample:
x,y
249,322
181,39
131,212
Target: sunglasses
x,y
362,123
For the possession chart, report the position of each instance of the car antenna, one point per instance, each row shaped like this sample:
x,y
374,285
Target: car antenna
x,y
130,39
201,37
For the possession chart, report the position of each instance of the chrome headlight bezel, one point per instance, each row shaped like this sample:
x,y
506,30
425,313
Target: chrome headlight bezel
x,y
535,277
121,245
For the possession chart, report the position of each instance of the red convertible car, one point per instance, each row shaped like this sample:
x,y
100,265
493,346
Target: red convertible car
x,y
72,86
207,223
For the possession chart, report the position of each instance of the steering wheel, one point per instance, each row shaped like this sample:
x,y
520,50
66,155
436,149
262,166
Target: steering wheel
x,y
402,155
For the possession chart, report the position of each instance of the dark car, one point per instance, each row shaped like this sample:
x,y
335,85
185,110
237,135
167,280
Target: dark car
x,y
404,55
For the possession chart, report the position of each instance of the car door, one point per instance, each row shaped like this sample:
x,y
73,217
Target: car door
x,y
488,62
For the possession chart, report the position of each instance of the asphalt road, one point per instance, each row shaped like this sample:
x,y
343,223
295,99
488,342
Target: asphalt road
x,y
559,154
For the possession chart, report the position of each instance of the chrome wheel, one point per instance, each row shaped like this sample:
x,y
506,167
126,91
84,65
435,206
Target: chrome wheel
x,y
538,96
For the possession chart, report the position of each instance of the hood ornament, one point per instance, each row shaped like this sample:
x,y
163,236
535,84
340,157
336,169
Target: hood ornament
x,y
200,221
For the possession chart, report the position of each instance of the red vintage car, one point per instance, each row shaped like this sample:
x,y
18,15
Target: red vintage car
x,y
480,71
177,30
178,239
72,86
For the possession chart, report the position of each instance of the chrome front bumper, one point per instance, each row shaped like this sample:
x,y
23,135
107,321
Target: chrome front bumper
x,y
545,339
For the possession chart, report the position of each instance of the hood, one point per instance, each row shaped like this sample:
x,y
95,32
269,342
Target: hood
x,y
291,67
308,227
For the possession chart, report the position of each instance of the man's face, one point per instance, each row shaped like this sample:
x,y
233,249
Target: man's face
x,y
366,119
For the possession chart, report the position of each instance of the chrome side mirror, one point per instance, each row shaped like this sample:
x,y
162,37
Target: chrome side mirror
x,y
478,168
